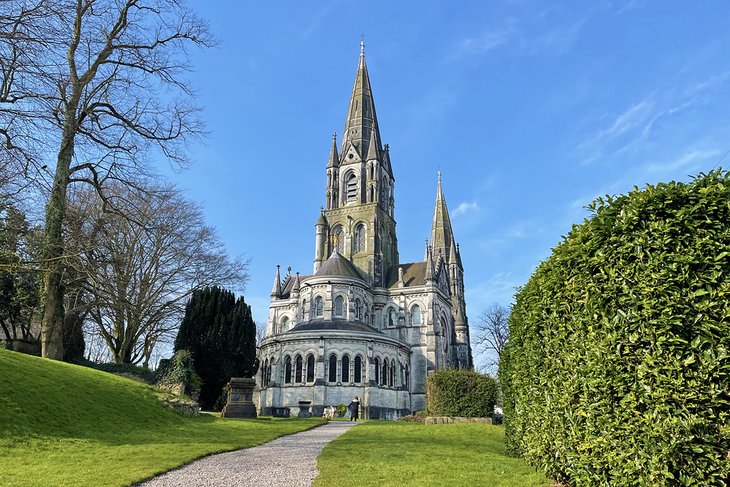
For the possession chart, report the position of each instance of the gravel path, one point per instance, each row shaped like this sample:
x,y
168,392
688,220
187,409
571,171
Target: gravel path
x,y
288,461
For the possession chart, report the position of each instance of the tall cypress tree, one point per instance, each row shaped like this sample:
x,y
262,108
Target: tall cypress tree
x,y
220,334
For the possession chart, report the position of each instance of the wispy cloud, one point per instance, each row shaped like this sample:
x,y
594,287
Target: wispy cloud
x,y
685,161
485,42
465,207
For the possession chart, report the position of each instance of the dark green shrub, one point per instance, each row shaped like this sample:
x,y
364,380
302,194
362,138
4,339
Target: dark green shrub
x,y
460,392
617,370
341,410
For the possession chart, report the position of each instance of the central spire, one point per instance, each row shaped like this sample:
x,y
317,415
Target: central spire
x,y
442,237
361,119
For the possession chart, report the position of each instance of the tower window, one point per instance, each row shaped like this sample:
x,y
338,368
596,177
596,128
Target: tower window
x,y
392,319
318,306
351,187
339,305
359,238
358,309
283,325
377,371
416,316
384,374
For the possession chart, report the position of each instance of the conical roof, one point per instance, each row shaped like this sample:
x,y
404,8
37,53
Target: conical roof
x,y
338,266
441,233
361,119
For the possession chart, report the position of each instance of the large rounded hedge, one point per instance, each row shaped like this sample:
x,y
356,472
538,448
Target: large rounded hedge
x,y
617,370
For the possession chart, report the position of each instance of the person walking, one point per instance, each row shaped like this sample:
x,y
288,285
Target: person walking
x,y
354,408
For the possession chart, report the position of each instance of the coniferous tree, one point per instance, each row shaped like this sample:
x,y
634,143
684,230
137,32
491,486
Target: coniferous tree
x,y
220,334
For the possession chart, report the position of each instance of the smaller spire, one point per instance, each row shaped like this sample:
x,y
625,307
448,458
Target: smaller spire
x,y
297,285
276,290
452,251
429,265
334,159
373,152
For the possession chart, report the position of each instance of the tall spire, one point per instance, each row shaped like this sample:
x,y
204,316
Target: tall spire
x,y
441,233
361,118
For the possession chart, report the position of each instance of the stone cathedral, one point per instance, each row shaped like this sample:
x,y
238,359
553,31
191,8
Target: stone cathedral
x,y
363,323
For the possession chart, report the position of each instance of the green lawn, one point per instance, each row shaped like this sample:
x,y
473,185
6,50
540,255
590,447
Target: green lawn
x,y
62,424
382,453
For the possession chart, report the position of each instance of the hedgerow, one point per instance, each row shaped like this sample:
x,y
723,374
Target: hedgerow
x,y
460,392
617,370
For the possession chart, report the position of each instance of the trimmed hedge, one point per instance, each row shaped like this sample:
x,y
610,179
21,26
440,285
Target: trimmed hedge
x,y
617,371
460,392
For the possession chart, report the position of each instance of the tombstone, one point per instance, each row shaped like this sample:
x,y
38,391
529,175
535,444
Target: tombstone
x,y
304,411
240,403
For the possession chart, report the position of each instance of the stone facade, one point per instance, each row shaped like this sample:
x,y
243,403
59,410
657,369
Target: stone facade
x,y
364,324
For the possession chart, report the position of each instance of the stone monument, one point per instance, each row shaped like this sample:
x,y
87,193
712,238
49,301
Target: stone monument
x,y
240,403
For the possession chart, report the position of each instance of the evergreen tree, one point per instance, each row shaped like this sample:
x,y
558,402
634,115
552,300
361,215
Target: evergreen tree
x,y
220,334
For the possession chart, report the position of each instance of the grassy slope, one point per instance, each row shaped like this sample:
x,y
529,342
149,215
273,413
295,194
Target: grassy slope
x,y
394,453
62,424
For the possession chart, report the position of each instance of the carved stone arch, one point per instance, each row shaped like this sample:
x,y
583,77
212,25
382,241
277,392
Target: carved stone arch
x,y
360,237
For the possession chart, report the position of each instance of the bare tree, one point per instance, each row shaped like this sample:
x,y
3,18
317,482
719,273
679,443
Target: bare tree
x,y
139,272
102,82
492,333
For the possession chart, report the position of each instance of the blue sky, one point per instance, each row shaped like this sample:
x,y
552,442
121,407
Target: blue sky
x,y
530,109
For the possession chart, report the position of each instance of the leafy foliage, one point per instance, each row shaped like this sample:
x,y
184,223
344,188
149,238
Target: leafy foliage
x,y
128,370
179,369
617,371
460,392
220,334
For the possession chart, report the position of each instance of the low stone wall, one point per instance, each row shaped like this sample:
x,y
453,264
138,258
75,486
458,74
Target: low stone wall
x,y
185,407
456,420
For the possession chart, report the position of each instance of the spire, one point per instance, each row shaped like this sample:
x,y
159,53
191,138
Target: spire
x,y
441,233
334,159
276,290
361,118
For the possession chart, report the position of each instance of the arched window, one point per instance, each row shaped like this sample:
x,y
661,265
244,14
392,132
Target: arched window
x,y
268,371
358,369
263,372
287,371
338,239
392,320
351,190
384,373
371,195
407,377
391,377
339,306
333,369
310,368
358,309
283,325
384,192
298,372
377,371
318,306
345,368
415,316
360,238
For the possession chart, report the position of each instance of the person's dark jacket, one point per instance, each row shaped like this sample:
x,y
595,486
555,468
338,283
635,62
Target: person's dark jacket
x,y
354,408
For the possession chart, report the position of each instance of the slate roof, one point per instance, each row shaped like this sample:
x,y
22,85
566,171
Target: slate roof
x,y
413,274
337,265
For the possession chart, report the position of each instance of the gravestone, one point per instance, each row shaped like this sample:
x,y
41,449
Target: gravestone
x,y
240,403
304,411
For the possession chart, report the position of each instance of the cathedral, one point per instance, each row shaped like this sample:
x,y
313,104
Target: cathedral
x,y
363,323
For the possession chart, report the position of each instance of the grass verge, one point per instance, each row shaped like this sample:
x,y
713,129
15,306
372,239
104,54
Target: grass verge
x,y
381,453
65,425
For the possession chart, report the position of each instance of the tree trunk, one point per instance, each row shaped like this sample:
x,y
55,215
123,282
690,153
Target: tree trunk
x,y
52,322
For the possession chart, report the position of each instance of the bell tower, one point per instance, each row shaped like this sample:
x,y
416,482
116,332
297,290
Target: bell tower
x,y
359,217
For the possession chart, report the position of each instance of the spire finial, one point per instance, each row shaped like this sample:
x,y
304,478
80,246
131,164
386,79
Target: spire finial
x,y
362,44
334,136
439,175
